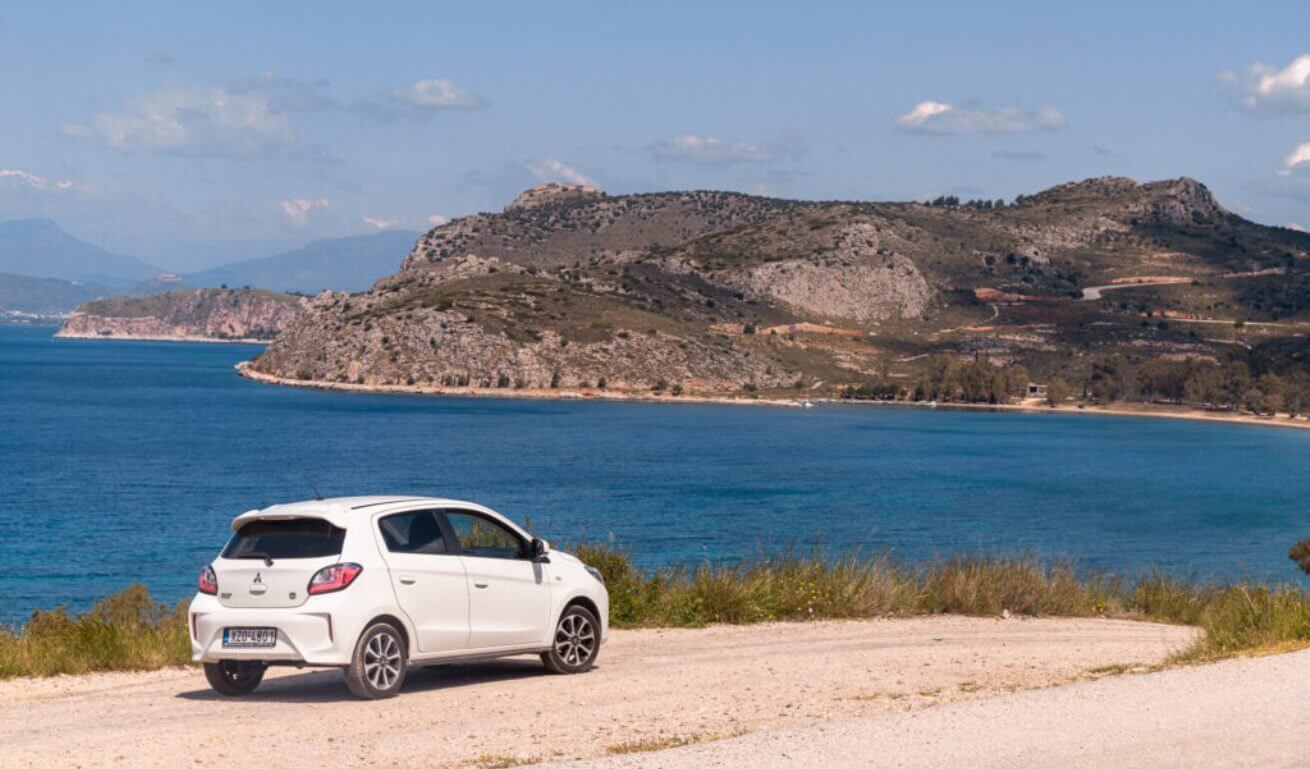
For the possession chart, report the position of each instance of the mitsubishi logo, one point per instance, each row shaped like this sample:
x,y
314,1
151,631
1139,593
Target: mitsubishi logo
x,y
258,579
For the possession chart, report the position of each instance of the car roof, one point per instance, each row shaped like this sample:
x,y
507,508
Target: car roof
x,y
340,511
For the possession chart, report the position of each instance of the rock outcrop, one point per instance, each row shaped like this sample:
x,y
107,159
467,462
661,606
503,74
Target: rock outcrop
x,y
197,314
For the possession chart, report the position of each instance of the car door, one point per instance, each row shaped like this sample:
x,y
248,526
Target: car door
x,y
428,577
509,598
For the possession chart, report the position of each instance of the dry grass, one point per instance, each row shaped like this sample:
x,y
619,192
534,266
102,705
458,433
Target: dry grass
x,y
127,631
652,744
1237,618
131,631
501,761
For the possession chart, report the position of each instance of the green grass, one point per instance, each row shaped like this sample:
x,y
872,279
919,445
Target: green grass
x,y
131,631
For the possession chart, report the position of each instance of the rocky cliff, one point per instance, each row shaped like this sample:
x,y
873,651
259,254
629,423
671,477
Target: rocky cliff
x,y
713,292
198,314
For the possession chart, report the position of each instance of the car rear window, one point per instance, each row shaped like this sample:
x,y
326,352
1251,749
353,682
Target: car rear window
x,y
296,538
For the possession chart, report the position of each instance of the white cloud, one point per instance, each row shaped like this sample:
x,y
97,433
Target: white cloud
x,y
298,210
1264,88
438,93
555,170
1295,226
420,101
194,121
933,117
419,223
13,177
380,223
1298,159
711,150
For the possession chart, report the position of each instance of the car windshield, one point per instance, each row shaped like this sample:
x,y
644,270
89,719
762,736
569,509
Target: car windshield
x,y
296,538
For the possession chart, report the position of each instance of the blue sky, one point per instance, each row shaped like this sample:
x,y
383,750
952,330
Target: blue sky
x,y
189,133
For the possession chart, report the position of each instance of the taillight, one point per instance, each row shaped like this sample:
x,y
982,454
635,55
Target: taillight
x,y
208,581
333,578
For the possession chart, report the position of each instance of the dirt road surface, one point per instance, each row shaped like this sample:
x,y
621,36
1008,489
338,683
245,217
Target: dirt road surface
x,y
650,687
1237,714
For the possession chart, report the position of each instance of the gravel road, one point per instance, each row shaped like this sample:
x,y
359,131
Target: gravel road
x,y
1241,713
763,681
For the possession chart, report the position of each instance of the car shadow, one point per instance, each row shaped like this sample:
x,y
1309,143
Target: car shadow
x,y
329,685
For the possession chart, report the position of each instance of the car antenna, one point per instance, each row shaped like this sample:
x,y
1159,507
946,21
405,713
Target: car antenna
x,y
311,485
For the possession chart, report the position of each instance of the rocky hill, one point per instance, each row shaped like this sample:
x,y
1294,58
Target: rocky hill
x,y
711,292
197,314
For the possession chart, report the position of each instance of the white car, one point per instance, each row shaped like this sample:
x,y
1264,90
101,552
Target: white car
x,y
370,584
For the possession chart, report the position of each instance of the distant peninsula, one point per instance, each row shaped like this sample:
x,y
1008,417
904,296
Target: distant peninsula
x,y
200,315
1097,292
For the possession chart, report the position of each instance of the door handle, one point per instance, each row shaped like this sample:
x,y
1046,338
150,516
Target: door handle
x,y
406,579
480,585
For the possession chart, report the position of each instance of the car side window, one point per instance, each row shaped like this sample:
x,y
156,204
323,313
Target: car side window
x,y
483,537
413,532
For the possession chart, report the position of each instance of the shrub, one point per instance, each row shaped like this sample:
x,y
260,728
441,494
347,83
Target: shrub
x,y
126,631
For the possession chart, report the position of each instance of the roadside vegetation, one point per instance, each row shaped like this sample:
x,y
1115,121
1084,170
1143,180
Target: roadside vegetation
x,y
132,631
1236,618
126,631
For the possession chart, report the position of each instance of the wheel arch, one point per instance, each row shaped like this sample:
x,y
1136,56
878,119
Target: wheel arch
x,y
586,603
396,622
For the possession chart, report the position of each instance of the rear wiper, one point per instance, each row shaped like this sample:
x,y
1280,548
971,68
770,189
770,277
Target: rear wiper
x,y
268,559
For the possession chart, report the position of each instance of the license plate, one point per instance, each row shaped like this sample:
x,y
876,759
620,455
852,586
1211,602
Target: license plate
x,y
250,636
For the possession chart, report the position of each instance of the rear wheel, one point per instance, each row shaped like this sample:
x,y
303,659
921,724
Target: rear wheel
x,y
233,679
576,644
377,668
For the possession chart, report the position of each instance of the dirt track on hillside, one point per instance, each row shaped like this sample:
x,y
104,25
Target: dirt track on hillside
x,y
649,685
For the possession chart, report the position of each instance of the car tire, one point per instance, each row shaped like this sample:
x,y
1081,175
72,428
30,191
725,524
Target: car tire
x,y
575,644
231,678
377,668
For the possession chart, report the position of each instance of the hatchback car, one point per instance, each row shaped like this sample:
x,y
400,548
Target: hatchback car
x,y
372,584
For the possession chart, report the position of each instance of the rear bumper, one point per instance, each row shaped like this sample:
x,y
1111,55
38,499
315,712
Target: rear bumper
x,y
306,634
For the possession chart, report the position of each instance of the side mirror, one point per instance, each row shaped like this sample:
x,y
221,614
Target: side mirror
x,y
540,551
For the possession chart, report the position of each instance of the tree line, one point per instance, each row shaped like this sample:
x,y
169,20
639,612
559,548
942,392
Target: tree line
x,y
1231,385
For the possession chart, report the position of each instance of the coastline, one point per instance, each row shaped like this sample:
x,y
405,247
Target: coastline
x,y
243,369
1138,410
61,334
1143,410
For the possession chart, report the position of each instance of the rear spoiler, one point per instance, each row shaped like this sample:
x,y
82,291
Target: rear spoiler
x,y
335,517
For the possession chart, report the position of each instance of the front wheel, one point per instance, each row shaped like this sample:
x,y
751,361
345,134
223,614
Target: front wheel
x,y
577,642
233,679
377,668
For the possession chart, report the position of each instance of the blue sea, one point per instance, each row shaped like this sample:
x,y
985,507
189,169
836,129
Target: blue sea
x,y
126,461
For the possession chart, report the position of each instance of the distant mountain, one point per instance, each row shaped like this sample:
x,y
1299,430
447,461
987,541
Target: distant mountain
x,y
342,264
42,249
45,296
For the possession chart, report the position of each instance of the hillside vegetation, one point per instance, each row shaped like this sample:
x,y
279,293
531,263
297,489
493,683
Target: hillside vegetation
x,y
206,313
720,293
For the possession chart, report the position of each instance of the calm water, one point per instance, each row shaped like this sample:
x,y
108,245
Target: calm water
x,y
124,461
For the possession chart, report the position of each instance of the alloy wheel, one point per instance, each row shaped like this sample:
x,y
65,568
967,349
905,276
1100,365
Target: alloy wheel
x,y
575,640
382,660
